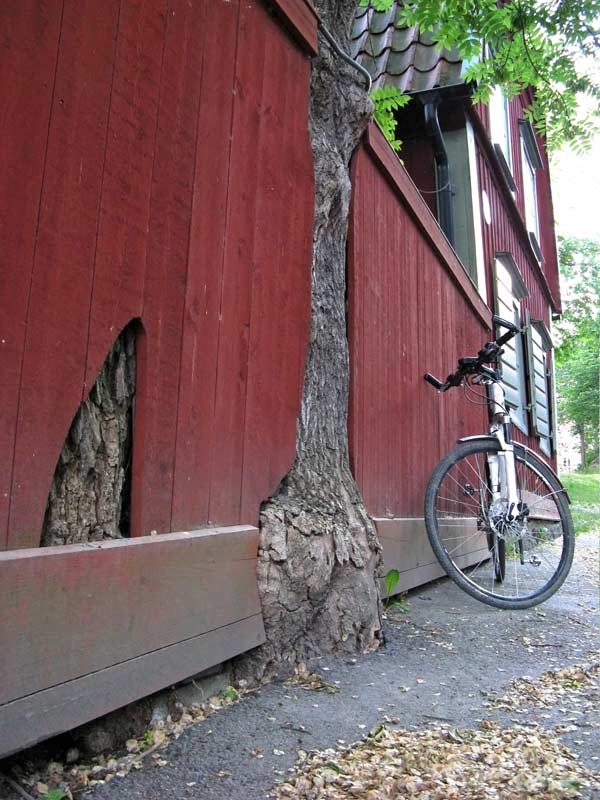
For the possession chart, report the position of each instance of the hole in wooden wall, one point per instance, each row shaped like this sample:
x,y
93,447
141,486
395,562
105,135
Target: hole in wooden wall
x,y
90,496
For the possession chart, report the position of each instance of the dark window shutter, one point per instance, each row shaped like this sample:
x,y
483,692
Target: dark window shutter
x,y
539,389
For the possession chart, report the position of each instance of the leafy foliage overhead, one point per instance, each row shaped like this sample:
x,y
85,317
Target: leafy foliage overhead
x,y
549,45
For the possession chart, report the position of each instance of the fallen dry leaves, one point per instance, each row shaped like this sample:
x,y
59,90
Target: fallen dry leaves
x,y
440,764
552,687
310,680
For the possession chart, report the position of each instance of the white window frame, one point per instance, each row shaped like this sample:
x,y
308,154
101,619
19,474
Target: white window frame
x,y
510,290
500,134
466,203
531,161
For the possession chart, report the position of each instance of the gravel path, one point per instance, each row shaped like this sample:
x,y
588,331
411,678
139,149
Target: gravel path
x,y
442,663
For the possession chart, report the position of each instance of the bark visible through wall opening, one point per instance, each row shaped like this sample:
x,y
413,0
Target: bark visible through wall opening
x,y
90,496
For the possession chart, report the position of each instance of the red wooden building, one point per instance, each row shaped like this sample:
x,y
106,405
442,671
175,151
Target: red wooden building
x,y
463,230
145,150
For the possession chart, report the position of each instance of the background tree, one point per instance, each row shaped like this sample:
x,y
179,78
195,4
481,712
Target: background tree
x,y
578,354
319,555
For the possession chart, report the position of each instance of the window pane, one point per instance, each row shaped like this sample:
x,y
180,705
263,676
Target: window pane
x,y
530,193
500,123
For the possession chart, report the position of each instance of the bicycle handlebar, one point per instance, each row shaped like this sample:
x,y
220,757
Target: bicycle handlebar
x,y
434,382
470,365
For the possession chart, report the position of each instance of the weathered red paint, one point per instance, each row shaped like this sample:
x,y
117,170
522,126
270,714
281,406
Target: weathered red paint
x,y
157,176
32,34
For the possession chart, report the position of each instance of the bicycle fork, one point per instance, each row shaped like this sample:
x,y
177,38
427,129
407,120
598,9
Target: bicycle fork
x,y
503,483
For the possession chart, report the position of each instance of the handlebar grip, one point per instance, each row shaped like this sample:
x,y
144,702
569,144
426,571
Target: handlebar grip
x,y
504,323
434,382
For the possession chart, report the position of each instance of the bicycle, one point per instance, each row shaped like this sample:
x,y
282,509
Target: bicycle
x,y
497,516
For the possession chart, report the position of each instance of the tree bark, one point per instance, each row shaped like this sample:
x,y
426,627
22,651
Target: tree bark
x,y
319,556
89,497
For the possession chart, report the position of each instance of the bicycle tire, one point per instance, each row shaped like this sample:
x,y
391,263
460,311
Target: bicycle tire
x,y
460,515
497,548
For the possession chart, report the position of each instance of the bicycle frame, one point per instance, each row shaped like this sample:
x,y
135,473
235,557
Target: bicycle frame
x,y
501,466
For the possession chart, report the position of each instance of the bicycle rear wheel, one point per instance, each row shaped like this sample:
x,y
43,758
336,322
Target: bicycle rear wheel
x,y
514,564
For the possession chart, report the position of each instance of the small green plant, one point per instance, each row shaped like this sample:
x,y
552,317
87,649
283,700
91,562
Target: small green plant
x,y
401,604
230,694
387,100
147,740
55,794
392,579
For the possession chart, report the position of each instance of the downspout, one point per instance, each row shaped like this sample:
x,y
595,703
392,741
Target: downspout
x,y
442,167
343,55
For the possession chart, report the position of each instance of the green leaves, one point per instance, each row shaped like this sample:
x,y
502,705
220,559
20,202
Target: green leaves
x,y
230,694
391,581
378,5
387,100
550,47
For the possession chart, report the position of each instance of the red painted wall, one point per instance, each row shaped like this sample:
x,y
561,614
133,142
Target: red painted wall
x,y
411,311
156,165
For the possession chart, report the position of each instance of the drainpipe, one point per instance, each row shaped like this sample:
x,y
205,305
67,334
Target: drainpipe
x,y
342,54
442,168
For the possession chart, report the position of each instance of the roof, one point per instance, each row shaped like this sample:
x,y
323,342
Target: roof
x,y
400,56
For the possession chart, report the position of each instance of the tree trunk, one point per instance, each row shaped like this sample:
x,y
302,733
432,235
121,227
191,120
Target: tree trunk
x,y
319,556
89,498
581,434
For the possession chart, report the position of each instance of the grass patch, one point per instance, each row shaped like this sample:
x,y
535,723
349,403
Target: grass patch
x,y
584,491
584,520
583,487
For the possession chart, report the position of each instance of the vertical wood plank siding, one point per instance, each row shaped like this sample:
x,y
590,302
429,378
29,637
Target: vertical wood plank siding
x,y
33,34
156,165
408,314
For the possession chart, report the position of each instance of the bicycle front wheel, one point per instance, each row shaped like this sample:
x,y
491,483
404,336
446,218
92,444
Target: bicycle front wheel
x,y
503,562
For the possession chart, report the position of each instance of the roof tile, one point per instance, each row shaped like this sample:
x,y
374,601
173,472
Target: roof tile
x,y
401,56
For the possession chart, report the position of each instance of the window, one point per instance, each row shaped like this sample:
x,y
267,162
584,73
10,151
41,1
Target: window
x,y
539,345
510,290
499,110
531,161
468,240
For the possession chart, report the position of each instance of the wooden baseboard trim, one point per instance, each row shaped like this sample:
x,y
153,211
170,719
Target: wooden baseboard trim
x,y
31,719
407,549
